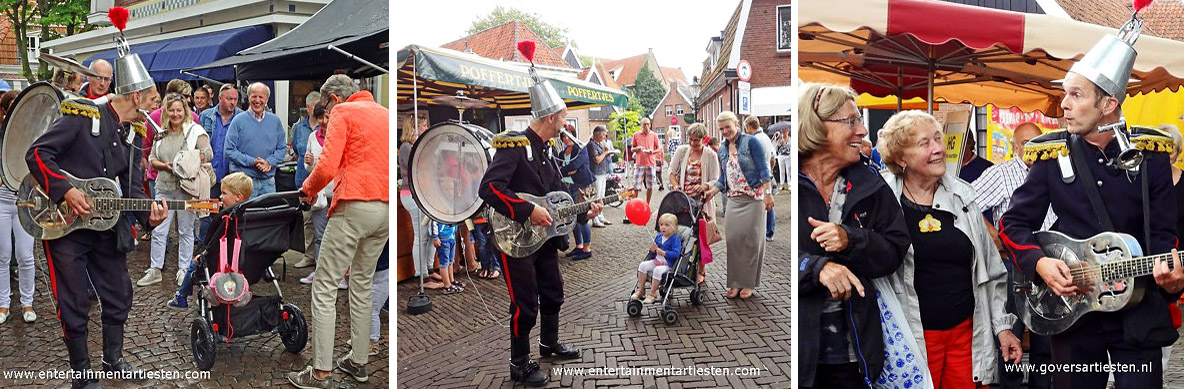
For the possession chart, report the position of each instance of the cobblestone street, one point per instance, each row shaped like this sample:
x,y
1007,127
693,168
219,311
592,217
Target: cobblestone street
x,y
157,337
463,341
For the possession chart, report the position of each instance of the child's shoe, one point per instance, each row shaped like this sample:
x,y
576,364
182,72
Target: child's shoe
x,y
650,299
178,302
637,296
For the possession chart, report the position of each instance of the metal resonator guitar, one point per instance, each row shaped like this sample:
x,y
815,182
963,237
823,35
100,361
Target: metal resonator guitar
x,y
522,239
1104,268
43,219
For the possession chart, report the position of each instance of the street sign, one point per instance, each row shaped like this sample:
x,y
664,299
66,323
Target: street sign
x,y
745,97
744,70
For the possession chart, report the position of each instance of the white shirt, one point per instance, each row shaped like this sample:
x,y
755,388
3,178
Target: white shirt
x,y
995,186
770,150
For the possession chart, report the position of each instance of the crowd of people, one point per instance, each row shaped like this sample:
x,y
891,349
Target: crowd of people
x,y
208,147
906,270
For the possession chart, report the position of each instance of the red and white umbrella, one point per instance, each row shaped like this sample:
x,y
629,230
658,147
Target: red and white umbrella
x,y
960,53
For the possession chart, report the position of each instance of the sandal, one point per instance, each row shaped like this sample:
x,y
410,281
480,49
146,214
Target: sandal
x,y
732,293
745,293
452,290
482,273
702,277
433,285
494,274
459,284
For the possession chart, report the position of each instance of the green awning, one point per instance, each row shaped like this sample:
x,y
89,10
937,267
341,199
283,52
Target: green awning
x,y
443,72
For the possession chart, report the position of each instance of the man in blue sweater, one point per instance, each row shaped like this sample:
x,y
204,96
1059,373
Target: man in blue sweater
x,y
256,141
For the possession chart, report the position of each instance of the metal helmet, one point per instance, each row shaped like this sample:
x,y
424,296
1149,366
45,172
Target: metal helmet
x,y
130,73
544,99
1108,65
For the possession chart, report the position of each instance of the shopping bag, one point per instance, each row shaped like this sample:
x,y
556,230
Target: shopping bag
x,y
904,368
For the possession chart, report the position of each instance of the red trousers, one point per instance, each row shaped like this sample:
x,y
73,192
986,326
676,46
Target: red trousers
x,y
949,357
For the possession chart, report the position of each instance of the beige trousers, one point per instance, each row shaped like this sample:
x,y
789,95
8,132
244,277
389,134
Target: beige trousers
x,y
355,236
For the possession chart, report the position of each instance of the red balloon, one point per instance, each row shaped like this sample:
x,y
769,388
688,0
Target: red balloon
x,y
638,212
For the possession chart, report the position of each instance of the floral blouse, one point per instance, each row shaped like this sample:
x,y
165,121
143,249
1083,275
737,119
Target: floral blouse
x,y
737,184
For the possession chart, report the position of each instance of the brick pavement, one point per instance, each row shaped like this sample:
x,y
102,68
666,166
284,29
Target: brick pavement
x,y
463,342
157,337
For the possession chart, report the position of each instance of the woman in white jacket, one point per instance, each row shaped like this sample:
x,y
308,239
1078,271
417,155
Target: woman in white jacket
x,y
320,210
952,284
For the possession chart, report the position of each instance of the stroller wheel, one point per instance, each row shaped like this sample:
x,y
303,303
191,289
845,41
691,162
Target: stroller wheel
x,y
696,297
634,308
293,329
201,341
669,316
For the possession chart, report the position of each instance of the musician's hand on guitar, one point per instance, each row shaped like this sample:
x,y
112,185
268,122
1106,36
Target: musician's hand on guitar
x,y
76,200
540,217
1056,275
1009,347
832,237
597,207
160,211
840,281
1171,280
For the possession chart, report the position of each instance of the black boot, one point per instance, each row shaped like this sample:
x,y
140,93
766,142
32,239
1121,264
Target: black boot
x,y
113,354
522,368
80,362
549,339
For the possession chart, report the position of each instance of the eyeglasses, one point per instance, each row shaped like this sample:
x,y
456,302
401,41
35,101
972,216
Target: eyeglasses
x,y
101,78
850,122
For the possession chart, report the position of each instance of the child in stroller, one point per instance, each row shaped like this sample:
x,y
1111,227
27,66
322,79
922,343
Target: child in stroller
x,y
236,187
680,215
663,252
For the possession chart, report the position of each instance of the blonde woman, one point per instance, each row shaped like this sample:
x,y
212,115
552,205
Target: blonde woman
x,y
181,134
693,169
957,275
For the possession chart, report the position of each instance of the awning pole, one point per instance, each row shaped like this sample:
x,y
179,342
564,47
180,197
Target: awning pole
x,y
219,83
356,58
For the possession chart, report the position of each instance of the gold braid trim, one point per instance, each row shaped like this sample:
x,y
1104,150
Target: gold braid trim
x,y
140,129
1032,153
1154,143
505,142
72,108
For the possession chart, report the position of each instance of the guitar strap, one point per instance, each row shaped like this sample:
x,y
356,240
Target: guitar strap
x,y
1146,209
1077,155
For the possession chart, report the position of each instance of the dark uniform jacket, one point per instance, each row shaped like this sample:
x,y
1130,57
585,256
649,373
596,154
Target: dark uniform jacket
x,y
1147,324
877,242
69,146
513,171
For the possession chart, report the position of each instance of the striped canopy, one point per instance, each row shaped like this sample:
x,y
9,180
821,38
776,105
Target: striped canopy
x,y
970,54
505,85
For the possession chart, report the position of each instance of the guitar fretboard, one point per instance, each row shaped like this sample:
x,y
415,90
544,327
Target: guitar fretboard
x,y
1128,268
121,204
576,209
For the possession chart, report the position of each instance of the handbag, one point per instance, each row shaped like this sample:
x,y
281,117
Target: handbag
x,y
712,233
903,367
229,285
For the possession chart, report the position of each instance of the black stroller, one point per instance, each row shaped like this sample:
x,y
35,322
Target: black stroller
x,y
268,226
684,273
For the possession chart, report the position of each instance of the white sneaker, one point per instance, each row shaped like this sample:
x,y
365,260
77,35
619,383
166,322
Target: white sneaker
x,y
30,317
637,296
649,299
305,262
180,277
151,277
308,280
3,317
343,284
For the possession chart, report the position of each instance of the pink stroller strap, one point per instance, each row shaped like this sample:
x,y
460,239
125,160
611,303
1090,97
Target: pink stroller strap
x,y
222,247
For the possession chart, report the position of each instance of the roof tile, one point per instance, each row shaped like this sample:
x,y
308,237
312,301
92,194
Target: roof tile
x,y
501,43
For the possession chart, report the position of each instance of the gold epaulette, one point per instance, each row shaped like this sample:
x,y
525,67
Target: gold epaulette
x,y
1153,140
72,107
1050,145
139,128
510,139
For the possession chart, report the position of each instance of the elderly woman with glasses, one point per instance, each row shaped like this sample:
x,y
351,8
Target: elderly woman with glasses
x,y
692,170
849,232
957,276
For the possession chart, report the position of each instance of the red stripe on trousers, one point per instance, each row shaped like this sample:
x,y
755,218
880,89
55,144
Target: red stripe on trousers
x,y
517,309
53,285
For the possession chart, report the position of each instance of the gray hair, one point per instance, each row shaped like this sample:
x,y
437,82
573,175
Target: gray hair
x,y
312,98
340,85
259,85
897,132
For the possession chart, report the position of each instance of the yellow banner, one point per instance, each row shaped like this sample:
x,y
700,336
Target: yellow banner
x,y
1001,123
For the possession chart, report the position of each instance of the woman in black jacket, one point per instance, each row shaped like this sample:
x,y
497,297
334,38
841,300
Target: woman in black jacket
x,y
850,231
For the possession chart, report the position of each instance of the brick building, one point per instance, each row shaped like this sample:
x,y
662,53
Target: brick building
x,y
668,115
759,32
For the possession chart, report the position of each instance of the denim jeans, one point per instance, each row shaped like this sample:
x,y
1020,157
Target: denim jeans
x,y
262,186
583,233
186,288
486,254
160,235
770,223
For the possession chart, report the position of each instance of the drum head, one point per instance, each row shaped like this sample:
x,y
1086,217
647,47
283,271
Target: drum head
x,y
33,111
447,163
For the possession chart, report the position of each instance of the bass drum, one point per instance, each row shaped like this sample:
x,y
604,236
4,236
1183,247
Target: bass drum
x,y
447,163
33,111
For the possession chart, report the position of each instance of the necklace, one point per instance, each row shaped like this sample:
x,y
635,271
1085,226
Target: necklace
x,y
928,223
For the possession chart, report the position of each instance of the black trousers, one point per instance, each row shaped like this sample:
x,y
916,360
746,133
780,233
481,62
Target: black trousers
x,y
1089,341
1039,352
71,259
535,284
839,376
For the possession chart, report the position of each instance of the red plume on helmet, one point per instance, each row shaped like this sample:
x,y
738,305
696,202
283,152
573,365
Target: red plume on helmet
x,y
527,50
118,16
1140,4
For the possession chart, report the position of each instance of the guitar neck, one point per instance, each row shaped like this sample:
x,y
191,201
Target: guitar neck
x,y
122,204
1134,267
576,209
